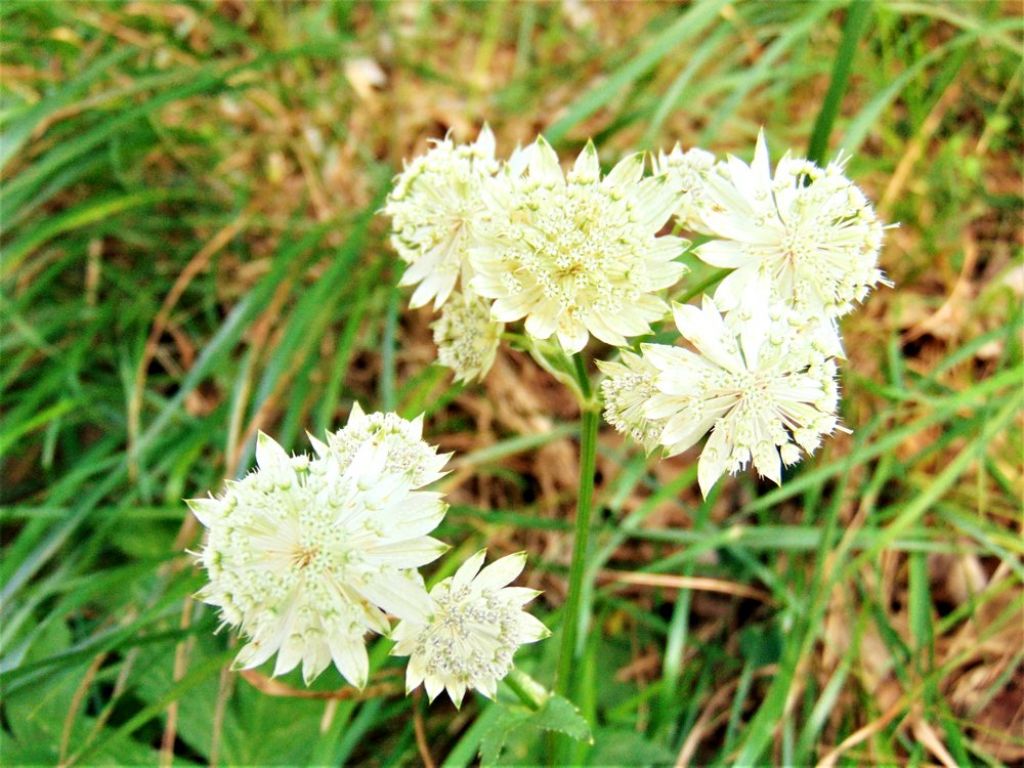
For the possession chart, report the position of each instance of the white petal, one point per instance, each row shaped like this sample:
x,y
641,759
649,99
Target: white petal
x,y
315,660
488,688
400,593
433,685
349,655
544,165
205,510
508,309
319,447
769,464
290,654
408,553
587,168
485,143
531,629
414,674
713,461
357,417
728,254
253,655
730,292
683,430
519,595
761,165
412,515
272,458
572,336
627,171
501,572
468,570
456,692
540,324
603,331
422,295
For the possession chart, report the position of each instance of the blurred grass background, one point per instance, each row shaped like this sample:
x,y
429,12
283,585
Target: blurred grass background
x,y
191,253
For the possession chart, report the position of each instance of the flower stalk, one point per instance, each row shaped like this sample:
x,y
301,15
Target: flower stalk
x,y
571,621
529,691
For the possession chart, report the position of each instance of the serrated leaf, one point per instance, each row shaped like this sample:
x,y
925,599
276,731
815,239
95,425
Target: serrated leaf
x,y
493,740
556,714
560,714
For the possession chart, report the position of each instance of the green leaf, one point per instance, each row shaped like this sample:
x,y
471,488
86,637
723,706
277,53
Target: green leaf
x,y
623,746
857,16
557,714
686,27
492,741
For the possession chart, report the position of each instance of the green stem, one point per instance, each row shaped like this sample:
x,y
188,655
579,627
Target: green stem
x,y
588,460
529,691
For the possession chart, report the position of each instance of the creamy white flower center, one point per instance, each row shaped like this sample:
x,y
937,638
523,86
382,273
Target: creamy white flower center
x,y
470,634
799,246
579,250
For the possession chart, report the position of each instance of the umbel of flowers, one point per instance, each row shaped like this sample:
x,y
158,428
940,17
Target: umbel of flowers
x,y
576,254
308,555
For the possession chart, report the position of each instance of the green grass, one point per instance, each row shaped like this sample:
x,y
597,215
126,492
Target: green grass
x,y
191,252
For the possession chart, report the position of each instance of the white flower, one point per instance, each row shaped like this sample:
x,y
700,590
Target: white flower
x,y
476,625
404,449
466,336
687,172
808,236
304,556
576,254
764,387
626,391
435,207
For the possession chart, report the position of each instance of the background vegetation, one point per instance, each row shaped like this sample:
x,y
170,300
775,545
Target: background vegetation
x,y
191,253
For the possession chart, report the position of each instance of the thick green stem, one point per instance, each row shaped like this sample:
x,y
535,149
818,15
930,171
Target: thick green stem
x,y
588,459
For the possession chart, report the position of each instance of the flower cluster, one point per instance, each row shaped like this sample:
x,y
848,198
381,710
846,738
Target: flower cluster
x,y
808,235
307,555
577,254
435,208
475,624
466,336
573,255
759,378
763,390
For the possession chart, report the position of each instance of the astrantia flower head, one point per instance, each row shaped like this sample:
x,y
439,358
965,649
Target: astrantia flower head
x,y
808,235
576,254
687,172
405,451
474,628
434,207
466,336
762,387
305,556
626,391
